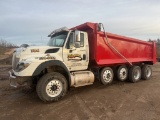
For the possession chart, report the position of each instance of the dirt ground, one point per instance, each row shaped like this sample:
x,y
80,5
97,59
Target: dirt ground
x,y
118,101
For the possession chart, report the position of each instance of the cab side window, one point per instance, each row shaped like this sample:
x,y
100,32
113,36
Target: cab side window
x,y
70,42
82,39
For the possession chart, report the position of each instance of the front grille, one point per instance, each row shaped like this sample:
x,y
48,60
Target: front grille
x,y
15,60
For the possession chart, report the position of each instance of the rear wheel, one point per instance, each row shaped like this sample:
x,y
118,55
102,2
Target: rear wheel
x,y
51,87
135,74
146,72
106,75
122,73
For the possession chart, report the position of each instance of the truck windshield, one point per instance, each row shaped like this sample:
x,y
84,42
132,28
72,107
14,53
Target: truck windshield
x,y
57,40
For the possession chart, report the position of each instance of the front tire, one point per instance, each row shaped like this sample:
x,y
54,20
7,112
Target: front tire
x,y
52,87
106,76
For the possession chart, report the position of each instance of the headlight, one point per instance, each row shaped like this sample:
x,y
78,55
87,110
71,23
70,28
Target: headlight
x,y
23,65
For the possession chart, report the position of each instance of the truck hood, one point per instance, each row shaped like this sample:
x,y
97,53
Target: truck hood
x,y
38,53
37,50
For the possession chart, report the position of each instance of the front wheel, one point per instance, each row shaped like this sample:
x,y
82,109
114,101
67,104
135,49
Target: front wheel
x,y
51,87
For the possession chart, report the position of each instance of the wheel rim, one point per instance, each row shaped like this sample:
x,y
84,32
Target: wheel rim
x,y
148,72
54,88
123,73
136,74
107,76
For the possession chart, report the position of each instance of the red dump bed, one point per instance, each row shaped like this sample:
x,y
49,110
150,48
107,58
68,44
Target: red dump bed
x,y
134,50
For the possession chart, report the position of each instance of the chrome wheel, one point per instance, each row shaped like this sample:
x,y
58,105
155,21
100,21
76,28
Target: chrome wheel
x,y
123,73
107,76
148,72
54,88
137,74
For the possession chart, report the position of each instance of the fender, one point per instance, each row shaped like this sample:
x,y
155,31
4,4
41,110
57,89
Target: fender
x,y
45,64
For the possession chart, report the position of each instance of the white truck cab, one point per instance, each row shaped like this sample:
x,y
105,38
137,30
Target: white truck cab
x,y
55,67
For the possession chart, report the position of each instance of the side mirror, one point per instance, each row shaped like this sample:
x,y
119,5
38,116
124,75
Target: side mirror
x,y
77,45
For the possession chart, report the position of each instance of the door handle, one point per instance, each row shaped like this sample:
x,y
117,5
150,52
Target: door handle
x,y
84,56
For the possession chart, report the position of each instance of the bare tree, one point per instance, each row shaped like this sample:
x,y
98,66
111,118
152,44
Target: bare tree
x,y
158,41
4,45
149,40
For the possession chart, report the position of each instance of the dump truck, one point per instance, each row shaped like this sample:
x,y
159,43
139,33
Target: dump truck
x,y
77,57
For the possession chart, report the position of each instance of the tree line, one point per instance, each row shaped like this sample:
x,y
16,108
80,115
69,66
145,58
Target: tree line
x,y
157,46
5,44
157,41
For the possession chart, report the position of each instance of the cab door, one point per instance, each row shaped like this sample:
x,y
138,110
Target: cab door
x,y
75,52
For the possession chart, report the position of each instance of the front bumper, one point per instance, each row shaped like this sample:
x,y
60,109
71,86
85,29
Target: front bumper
x,y
16,81
12,79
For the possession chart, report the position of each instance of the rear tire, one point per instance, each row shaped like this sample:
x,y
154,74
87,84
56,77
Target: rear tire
x,y
52,87
106,76
135,74
146,72
122,73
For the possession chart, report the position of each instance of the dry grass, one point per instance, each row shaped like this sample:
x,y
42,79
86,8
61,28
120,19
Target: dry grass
x,y
2,51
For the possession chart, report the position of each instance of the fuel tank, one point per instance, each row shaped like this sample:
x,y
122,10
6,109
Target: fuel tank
x,y
82,78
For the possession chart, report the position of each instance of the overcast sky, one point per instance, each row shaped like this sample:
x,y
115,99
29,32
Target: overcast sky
x,y
30,21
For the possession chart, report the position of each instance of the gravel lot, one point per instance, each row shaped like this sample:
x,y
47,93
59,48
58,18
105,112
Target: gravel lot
x,y
118,101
